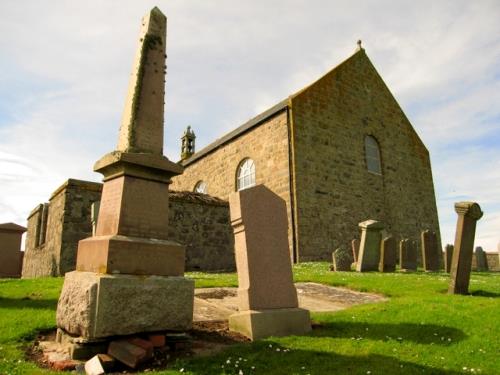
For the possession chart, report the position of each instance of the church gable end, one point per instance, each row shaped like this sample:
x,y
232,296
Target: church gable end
x,y
334,187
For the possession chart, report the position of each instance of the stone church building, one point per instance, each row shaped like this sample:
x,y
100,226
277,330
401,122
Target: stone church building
x,y
340,151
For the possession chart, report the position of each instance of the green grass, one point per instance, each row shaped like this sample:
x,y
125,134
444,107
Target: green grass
x,y
420,330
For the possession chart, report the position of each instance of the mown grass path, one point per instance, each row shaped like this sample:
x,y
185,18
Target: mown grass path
x,y
420,330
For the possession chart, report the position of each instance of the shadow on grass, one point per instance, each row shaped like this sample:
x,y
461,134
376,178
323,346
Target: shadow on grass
x,y
484,293
418,333
269,357
28,303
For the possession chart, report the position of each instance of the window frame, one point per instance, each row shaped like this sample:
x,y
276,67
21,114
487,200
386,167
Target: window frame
x,y
247,165
372,154
198,184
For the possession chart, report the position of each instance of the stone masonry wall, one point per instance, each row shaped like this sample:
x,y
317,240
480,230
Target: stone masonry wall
x,y
199,221
39,259
334,189
266,144
202,223
68,222
76,223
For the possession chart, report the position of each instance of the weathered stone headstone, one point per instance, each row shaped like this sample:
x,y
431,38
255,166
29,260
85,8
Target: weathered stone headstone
x,y
430,251
342,260
369,249
448,255
129,276
407,255
268,304
481,259
355,249
468,214
387,255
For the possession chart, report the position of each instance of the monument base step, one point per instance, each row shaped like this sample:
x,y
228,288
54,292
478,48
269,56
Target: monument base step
x,y
130,256
94,306
258,324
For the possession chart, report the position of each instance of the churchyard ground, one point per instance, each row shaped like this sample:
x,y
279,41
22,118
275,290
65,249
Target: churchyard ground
x,y
419,330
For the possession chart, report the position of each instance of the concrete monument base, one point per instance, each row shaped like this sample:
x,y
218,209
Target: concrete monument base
x,y
258,324
94,306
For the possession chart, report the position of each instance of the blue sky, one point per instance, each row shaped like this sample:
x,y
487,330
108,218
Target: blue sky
x,y
64,68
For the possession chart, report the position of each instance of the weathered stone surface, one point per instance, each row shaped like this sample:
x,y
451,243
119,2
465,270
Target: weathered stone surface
x,y
265,279
275,322
118,254
430,251
387,255
481,260
199,221
331,190
68,222
468,214
99,305
267,298
11,257
369,249
146,91
355,249
407,255
94,366
448,255
342,260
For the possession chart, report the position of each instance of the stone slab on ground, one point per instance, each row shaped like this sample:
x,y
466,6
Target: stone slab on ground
x,y
109,305
275,322
212,304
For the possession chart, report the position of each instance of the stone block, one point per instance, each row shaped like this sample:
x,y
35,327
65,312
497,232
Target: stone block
x,y
275,322
481,259
127,353
342,260
448,255
430,251
355,249
130,255
369,250
94,366
407,255
387,255
100,305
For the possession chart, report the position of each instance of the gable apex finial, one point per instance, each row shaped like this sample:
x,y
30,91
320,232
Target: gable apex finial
x,y
359,48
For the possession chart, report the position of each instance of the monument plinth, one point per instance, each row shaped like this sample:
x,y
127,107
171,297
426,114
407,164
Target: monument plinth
x,y
129,276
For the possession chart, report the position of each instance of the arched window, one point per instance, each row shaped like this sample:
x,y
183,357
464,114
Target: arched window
x,y
372,154
200,187
245,175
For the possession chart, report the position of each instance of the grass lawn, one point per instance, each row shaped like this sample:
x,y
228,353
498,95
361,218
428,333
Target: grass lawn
x,y
420,329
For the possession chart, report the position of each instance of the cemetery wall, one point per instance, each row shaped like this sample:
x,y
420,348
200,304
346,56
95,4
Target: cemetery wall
x,y
202,223
199,221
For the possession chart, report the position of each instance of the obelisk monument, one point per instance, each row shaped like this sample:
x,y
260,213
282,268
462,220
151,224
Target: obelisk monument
x,y
129,276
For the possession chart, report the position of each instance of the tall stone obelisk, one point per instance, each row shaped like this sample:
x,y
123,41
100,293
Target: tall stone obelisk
x,y
129,276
